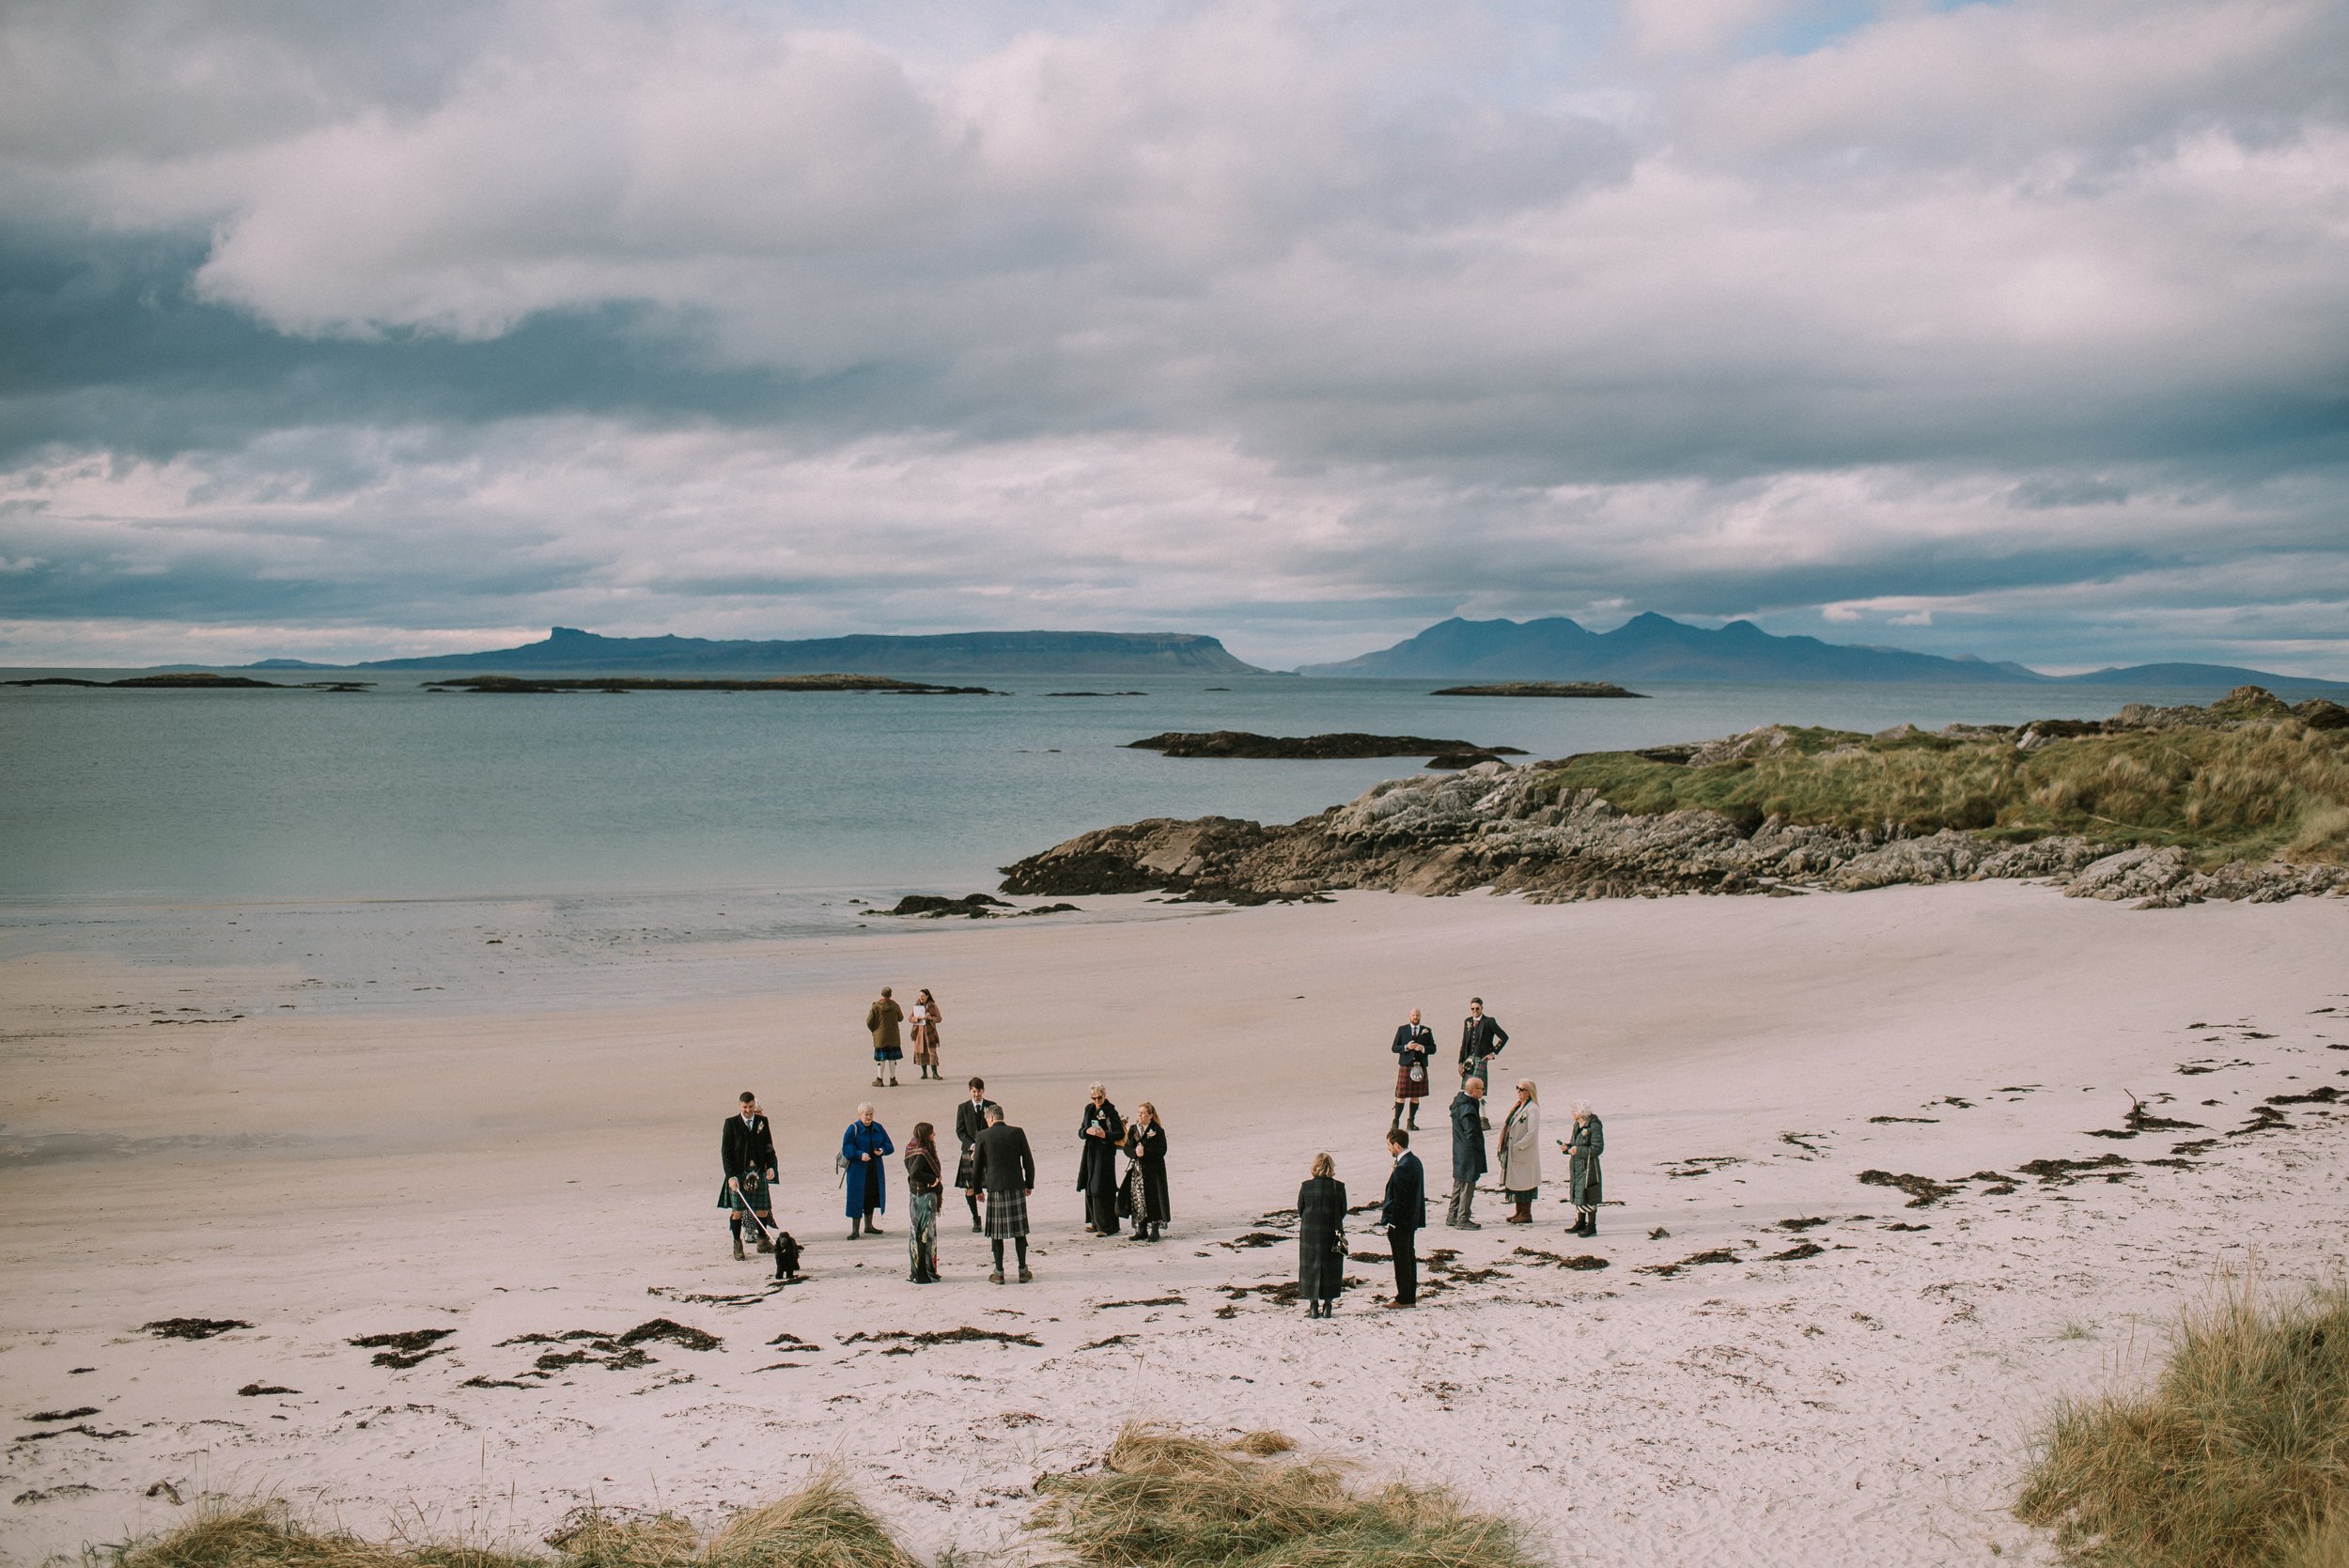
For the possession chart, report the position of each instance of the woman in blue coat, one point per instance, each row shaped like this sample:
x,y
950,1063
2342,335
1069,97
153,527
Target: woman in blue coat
x,y
863,1148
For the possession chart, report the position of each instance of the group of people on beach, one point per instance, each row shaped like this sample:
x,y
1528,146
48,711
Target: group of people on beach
x,y
995,1169
995,1173
1321,1202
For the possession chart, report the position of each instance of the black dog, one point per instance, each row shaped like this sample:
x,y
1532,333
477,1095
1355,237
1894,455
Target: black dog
x,y
787,1256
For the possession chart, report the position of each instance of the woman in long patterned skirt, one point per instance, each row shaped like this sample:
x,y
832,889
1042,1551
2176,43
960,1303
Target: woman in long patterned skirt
x,y
923,1185
925,1019
1147,1198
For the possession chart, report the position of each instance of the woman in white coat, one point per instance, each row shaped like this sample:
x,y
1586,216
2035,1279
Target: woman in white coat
x,y
1521,1153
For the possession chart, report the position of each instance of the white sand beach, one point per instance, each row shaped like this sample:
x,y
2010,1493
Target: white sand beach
x,y
191,1141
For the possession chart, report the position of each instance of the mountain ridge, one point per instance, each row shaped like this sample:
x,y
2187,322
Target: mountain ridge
x,y
1650,647
944,653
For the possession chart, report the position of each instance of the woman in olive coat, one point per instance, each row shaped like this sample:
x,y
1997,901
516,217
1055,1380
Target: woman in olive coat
x,y
1583,1148
1321,1237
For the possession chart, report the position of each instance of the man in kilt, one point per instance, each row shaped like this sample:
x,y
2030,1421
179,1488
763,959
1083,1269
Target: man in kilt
x,y
971,1121
746,1148
1004,1169
1414,1043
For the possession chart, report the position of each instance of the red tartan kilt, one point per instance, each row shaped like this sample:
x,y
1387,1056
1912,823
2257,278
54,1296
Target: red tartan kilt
x,y
1404,1088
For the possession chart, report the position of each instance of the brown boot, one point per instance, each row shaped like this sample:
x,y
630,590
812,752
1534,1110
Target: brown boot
x,y
1523,1215
737,1247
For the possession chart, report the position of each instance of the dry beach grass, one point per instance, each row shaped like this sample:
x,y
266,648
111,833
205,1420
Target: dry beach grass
x,y
2277,786
2238,1457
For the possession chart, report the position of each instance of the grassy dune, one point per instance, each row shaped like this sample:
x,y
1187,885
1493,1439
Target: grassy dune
x,y
1160,1501
2238,1459
2270,785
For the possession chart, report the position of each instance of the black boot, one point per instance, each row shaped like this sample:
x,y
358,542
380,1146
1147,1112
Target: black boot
x,y
1396,1120
1413,1122
856,1228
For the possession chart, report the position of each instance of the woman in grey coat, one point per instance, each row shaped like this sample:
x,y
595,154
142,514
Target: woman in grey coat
x,y
1521,1153
1321,1237
1582,1149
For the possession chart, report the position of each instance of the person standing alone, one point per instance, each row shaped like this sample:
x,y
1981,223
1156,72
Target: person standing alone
x,y
1467,1153
883,1018
1481,1039
746,1148
1403,1213
1414,1043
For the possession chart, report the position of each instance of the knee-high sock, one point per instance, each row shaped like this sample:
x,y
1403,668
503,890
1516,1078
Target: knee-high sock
x,y
998,1244
1021,1242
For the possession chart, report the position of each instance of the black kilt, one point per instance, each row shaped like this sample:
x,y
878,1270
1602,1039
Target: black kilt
x,y
1006,1215
967,1171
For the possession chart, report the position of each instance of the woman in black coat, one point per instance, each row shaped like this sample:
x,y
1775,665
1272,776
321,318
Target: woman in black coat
x,y
1098,1134
1147,1196
1321,1237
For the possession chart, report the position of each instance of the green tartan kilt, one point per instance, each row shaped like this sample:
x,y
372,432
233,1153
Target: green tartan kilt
x,y
755,1196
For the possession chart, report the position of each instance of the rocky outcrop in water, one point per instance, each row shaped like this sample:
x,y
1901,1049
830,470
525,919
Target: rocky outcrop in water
x,y
1311,748
1519,830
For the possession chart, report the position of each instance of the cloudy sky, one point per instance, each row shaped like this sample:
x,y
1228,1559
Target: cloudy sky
x,y
340,332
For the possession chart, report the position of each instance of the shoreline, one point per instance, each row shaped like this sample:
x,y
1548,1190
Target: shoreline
x,y
442,1154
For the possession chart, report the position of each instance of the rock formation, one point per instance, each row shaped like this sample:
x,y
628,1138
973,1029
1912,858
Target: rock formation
x,y
1527,831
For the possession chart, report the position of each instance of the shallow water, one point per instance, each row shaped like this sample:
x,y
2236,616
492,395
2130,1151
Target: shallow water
x,y
243,797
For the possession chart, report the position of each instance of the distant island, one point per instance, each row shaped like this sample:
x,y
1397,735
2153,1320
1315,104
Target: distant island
x,y
1657,647
1347,745
197,680
1540,689
513,686
994,653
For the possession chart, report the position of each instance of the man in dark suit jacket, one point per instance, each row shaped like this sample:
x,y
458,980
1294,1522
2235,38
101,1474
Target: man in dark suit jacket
x,y
971,1121
1481,1039
1404,1212
1414,1045
1004,1169
746,1148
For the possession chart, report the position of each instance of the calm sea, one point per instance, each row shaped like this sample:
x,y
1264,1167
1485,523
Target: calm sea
x,y
296,796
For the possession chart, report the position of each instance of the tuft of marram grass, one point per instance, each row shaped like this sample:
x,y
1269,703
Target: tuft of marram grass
x,y
821,1526
2238,1457
1263,1444
1169,1501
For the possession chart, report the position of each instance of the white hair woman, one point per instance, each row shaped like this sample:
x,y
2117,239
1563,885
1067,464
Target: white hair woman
x,y
1099,1133
863,1147
1521,1153
1587,1143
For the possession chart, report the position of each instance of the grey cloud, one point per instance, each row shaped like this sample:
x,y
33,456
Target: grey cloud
x,y
1376,312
